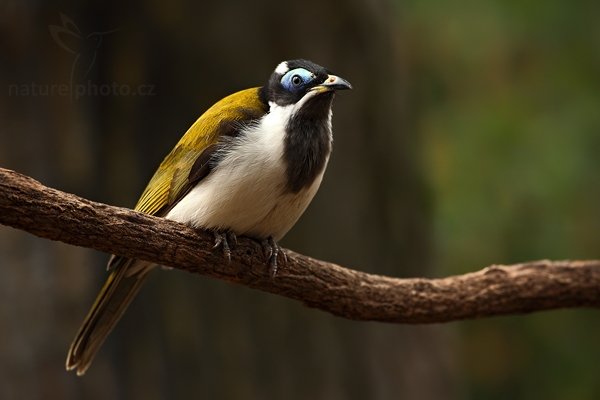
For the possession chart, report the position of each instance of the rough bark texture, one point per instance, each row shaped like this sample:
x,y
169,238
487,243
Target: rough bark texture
x,y
541,285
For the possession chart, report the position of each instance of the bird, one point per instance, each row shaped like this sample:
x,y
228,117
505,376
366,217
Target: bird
x,y
249,166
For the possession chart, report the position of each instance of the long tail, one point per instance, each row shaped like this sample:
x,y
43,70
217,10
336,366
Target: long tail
x,y
120,288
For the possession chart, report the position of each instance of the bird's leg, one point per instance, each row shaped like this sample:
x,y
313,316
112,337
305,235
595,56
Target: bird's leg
x,y
272,250
223,240
231,237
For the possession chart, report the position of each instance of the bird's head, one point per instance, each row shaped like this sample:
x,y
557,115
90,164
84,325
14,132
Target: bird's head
x,y
297,83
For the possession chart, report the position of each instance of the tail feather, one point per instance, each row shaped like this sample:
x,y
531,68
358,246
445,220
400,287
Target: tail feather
x,y
120,288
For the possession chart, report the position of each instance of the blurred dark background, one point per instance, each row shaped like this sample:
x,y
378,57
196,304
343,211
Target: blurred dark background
x,y
472,137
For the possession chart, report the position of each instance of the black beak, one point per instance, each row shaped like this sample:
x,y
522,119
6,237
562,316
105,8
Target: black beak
x,y
333,82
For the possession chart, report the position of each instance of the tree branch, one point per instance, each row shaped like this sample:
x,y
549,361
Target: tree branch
x,y
541,285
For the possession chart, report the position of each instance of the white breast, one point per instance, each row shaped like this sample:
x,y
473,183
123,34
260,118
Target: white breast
x,y
246,192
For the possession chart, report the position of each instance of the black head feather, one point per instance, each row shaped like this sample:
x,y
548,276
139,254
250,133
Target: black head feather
x,y
276,91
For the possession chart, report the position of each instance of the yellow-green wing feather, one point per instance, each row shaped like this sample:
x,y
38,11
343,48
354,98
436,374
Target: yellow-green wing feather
x,y
168,183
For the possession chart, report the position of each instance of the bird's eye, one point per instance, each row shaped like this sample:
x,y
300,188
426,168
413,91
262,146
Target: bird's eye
x,y
297,80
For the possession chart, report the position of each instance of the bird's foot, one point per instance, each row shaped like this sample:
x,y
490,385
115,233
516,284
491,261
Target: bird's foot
x,y
272,251
225,240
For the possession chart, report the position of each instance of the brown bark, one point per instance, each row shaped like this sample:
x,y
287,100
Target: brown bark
x,y
534,286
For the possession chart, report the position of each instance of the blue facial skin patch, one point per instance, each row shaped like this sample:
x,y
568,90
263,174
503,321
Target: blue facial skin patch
x,y
297,79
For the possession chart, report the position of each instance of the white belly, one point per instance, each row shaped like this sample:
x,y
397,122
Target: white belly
x,y
247,192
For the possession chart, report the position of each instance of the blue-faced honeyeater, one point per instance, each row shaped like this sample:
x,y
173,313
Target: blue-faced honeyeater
x,y
250,165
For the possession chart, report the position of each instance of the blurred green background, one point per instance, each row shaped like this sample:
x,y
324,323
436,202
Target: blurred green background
x,y
472,137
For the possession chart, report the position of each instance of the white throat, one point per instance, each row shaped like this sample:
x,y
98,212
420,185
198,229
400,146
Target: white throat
x,y
247,191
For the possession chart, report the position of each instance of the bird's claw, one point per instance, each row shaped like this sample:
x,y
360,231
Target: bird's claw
x,y
223,240
272,251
